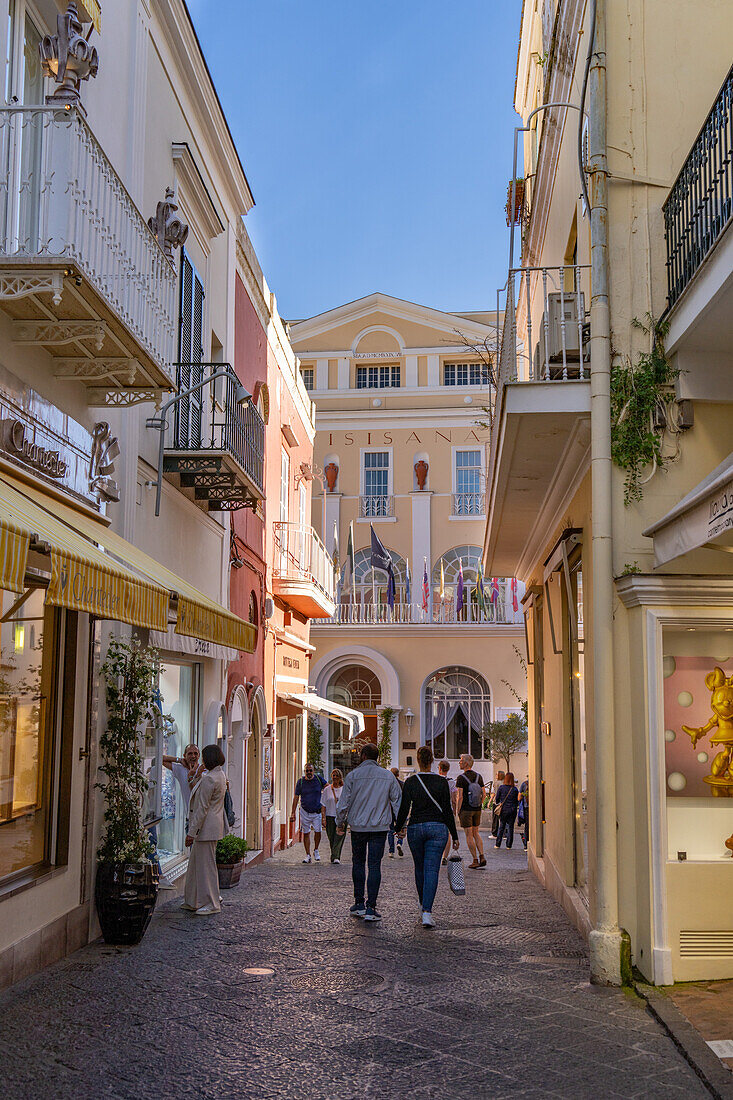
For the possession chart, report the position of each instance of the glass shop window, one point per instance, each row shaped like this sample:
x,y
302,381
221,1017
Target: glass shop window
x,y
697,671
28,665
179,703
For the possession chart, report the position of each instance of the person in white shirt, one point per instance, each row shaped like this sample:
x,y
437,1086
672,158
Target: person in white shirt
x,y
187,771
443,769
330,796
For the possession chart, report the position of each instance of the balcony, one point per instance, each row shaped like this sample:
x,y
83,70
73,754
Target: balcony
x,y
441,613
698,220
469,504
540,441
376,507
302,570
81,274
215,450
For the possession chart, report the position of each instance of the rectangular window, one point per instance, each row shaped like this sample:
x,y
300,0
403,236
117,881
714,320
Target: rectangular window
x,y
376,473
308,376
468,496
465,374
30,642
284,486
378,377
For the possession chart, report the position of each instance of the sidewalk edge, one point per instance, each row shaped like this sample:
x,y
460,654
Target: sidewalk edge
x,y
693,1048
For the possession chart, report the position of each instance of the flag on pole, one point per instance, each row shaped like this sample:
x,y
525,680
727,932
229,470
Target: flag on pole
x,y
425,585
480,590
459,595
442,582
336,562
408,583
515,602
494,589
381,559
348,581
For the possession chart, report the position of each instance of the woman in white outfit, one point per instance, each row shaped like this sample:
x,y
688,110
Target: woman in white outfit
x,y
206,825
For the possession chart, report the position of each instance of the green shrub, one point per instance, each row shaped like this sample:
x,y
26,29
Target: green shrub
x,y
230,849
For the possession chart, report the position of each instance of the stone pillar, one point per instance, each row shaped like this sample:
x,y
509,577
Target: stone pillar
x,y
411,371
321,378
434,370
343,374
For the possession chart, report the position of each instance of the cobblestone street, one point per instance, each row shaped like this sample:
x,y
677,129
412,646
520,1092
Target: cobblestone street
x,y
495,1003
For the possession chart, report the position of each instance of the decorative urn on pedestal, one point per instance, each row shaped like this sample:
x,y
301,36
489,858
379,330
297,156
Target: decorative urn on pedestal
x,y
332,472
421,473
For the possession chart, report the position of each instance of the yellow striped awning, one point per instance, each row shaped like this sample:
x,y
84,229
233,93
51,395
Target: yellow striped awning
x,y
83,576
90,10
197,616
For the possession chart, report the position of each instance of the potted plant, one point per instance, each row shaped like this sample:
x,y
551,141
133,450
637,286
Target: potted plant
x,y
230,853
127,879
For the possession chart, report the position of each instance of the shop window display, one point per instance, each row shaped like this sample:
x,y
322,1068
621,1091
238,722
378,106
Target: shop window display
x,y
27,656
698,743
179,704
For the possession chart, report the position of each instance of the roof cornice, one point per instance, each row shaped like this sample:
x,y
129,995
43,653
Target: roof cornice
x,y
396,307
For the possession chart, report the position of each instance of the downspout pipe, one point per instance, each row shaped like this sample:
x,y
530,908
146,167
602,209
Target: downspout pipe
x,y
609,946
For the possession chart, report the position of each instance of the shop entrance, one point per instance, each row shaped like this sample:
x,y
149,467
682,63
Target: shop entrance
x,y
359,688
252,790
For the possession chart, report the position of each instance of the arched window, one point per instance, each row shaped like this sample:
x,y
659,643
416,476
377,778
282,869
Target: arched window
x,y
457,711
475,609
370,588
357,687
252,613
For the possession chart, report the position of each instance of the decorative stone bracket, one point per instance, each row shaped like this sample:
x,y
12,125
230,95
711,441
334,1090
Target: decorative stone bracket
x,y
168,229
68,58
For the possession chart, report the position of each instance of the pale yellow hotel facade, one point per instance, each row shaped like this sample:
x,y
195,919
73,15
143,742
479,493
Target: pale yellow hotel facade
x,y
400,446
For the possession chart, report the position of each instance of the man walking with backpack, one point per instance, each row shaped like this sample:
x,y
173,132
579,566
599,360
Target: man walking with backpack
x,y
369,803
469,800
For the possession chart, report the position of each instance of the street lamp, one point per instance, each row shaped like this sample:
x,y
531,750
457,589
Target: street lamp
x,y
159,424
409,719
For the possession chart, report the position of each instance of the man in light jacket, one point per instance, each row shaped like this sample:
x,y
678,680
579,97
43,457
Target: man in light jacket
x,y
206,825
370,801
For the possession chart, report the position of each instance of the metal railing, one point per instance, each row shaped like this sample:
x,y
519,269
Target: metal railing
x,y
376,507
440,613
300,555
699,206
469,504
211,420
61,199
546,330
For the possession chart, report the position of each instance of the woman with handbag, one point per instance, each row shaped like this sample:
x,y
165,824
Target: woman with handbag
x,y
426,799
507,804
330,796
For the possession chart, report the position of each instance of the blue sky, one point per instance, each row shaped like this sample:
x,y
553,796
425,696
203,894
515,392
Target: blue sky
x,y
377,139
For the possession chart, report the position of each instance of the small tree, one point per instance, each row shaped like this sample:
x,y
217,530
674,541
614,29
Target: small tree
x,y
384,744
505,738
524,704
314,743
129,673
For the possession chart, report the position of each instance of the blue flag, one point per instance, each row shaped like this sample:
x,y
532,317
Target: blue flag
x,y
380,559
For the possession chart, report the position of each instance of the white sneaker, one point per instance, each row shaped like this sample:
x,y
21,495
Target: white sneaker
x,y
316,856
337,861
427,920
307,859
391,855
206,911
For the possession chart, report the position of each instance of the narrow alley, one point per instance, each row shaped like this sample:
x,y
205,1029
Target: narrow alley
x,y
495,1002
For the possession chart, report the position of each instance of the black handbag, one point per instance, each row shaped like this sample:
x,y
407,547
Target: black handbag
x,y
229,813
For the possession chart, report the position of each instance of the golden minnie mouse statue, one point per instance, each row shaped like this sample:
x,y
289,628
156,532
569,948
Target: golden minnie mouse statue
x,y
721,703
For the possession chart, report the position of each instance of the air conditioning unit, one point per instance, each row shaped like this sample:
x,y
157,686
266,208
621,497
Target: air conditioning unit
x,y
559,307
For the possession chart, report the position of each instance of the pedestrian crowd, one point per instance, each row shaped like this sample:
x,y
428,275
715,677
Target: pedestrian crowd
x,y
378,808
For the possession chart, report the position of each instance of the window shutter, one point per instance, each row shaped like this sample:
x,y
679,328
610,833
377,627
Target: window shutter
x,y
190,351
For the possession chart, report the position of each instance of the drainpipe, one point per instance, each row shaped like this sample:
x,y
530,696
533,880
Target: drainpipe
x,y
609,946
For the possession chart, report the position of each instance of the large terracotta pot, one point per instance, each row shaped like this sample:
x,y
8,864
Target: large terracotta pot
x,y
125,894
332,472
421,473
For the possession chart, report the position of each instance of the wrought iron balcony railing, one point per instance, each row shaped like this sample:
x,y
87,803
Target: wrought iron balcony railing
x,y
546,327
301,556
469,504
365,612
376,507
64,208
216,446
698,209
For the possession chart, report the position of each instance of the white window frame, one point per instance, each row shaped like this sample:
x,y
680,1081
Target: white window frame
x,y
362,468
454,462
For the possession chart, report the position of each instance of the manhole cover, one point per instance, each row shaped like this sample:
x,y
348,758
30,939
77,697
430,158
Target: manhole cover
x,y
336,981
498,936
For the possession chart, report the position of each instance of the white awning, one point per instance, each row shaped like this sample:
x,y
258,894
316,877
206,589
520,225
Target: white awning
x,y
352,718
702,518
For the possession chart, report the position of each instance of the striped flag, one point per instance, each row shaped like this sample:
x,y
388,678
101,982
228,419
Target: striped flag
x,y
480,590
515,602
494,589
425,585
459,595
348,581
336,562
442,582
408,583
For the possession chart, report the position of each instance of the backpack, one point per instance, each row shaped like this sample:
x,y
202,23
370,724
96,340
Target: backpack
x,y
475,795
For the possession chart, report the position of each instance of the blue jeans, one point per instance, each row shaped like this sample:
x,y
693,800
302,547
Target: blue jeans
x,y
390,840
427,842
508,824
367,848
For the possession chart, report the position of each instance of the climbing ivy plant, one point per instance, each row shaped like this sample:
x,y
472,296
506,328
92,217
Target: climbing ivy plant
x,y
314,744
384,744
638,390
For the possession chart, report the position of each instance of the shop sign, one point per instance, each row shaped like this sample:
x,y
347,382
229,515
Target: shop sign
x,y
266,773
41,439
720,514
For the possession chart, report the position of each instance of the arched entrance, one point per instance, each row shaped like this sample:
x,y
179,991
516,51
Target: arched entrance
x,y
238,730
354,686
457,709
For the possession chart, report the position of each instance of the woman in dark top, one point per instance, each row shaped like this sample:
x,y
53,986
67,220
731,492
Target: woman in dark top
x,y
426,798
507,804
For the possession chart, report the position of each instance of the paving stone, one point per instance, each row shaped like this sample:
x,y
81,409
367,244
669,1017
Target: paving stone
x,y
351,1012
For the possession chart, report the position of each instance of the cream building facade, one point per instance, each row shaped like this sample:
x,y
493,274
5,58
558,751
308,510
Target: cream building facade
x,y
400,447
629,602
